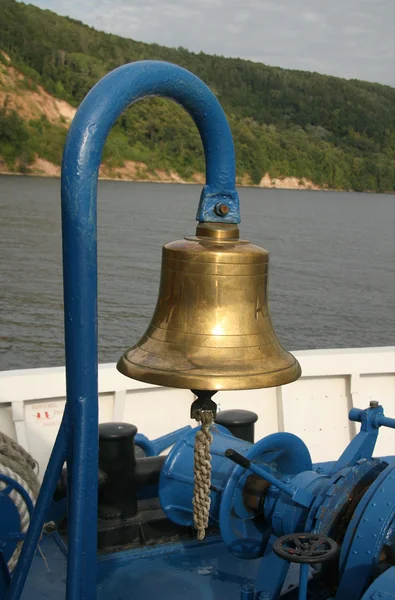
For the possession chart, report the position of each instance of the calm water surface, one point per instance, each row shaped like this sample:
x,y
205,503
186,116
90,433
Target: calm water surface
x,y
331,277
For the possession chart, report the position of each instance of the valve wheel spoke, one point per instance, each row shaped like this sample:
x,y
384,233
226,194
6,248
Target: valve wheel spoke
x,y
306,548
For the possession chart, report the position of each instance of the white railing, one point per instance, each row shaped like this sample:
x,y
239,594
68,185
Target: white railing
x,y
315,407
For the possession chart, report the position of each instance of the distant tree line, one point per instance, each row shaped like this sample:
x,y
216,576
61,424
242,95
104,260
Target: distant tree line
x,y
338,133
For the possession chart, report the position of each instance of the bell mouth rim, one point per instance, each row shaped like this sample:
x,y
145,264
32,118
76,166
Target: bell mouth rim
x,y
225,382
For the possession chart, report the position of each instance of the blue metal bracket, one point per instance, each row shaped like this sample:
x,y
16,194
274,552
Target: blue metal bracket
x,y
362,446
77,440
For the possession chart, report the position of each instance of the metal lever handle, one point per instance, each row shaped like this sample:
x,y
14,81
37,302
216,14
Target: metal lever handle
x,y
299,496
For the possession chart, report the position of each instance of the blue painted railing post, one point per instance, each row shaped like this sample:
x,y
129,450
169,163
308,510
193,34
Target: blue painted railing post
x,y
51,477
78,435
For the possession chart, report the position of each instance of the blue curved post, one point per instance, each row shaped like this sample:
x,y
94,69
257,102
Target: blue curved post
x,y
78,435
106,102
155,447
81,161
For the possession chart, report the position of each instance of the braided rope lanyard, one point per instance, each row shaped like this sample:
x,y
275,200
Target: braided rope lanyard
x,y
202,474
204,411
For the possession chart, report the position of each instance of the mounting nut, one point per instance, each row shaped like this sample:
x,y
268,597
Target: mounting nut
x,y
221,209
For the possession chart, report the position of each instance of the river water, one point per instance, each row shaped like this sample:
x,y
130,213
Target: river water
x,y
331,277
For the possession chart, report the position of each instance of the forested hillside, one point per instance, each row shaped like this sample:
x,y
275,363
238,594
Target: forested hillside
x,y
336,133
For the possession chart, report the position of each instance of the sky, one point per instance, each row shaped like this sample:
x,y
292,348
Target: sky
x,y
346,38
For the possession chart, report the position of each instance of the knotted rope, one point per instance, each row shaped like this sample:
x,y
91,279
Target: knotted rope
x,y
202,473
17,464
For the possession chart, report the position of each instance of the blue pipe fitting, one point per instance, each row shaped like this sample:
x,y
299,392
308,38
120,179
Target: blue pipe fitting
x,y
156,447
375,417
287,516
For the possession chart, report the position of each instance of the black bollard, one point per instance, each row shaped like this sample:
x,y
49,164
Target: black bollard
x,y
239,422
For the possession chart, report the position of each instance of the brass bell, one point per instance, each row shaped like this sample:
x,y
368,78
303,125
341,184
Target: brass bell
x,y
211,329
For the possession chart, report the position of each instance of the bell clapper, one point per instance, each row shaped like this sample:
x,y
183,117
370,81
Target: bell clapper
x,y
204,410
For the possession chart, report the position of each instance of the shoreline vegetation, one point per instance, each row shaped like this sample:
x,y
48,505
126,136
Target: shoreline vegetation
x,y
293,185
291,129
43,168
288,183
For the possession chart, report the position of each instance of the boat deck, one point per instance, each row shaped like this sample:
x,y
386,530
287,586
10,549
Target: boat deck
x,y
193,570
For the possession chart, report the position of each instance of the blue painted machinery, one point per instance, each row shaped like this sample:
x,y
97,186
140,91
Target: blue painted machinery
x,y
118,521
270,502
